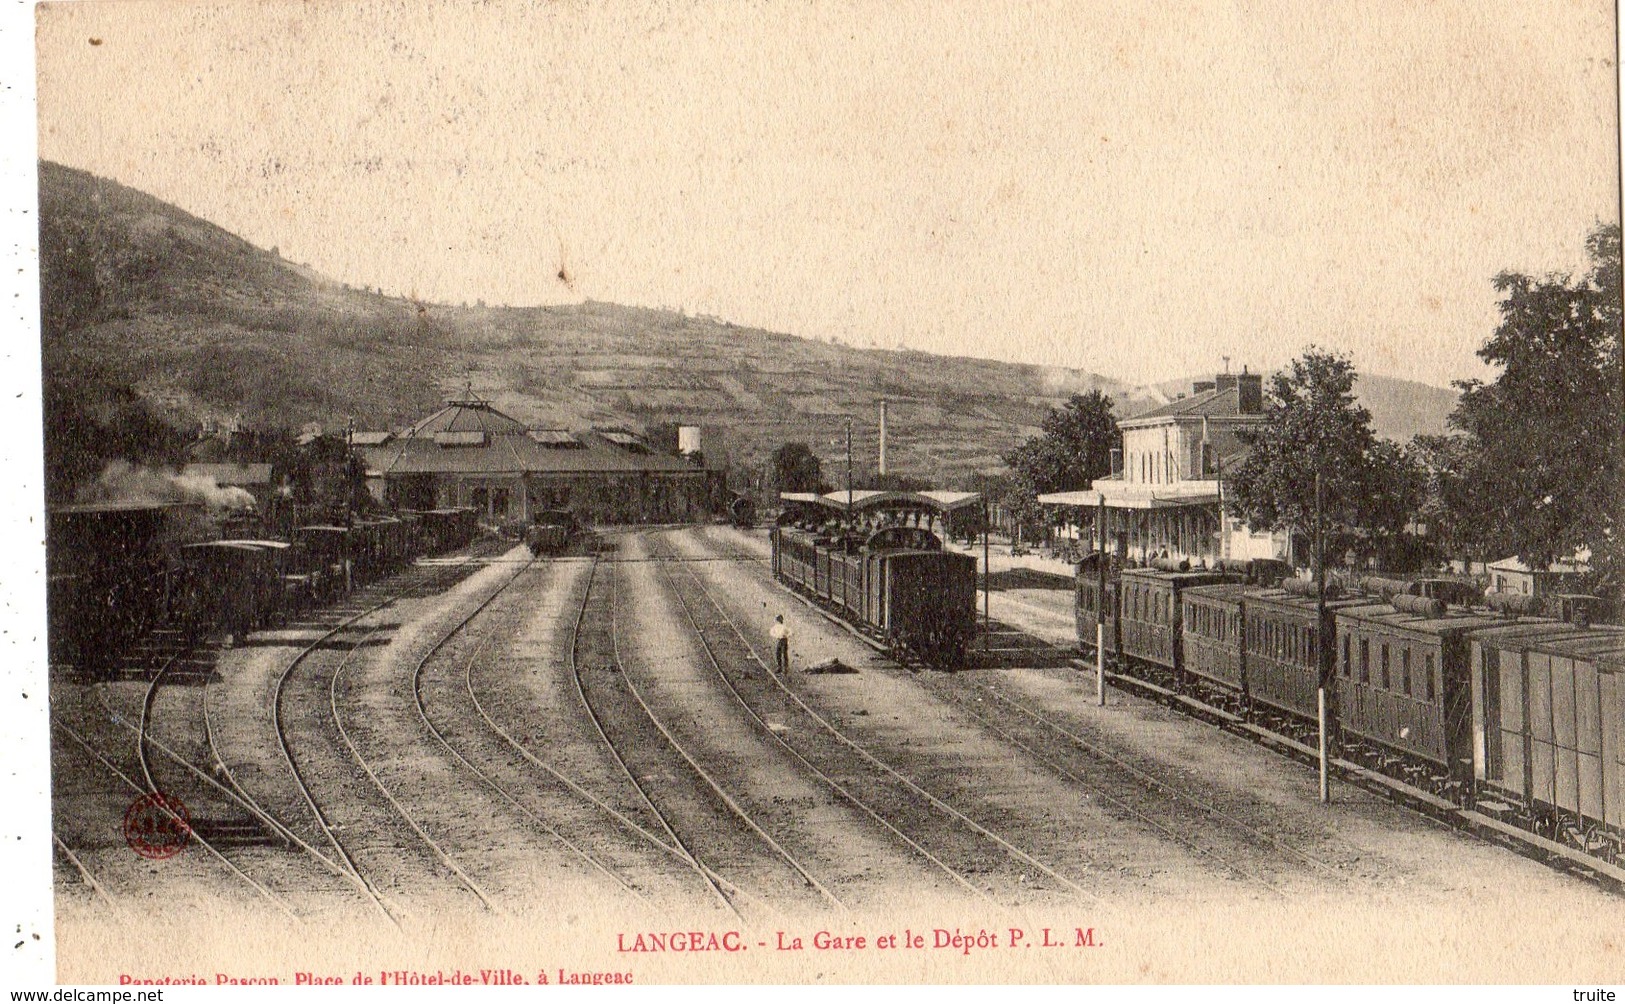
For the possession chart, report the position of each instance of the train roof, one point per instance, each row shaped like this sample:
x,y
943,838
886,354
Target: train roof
x,y
1600,643
1455,619
131,506
1230,592
1183,580
1278,597
865,500
218,546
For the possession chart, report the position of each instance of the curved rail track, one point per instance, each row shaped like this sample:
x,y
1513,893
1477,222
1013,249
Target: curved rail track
x,y
614,704
485,777
435,580
910,786
69,732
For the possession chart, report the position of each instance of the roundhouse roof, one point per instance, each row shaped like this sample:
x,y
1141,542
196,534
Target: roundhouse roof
x,y
466,415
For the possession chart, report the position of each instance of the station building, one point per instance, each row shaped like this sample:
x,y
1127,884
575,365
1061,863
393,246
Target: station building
x,y
470,454
1166,497
1512,575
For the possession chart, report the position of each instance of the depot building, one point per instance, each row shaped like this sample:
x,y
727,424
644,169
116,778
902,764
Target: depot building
x,y
470,454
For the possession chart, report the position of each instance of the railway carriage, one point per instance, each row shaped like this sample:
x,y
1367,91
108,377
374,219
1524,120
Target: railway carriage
x,y
1213,620
226,586
108,580
551,531
325,553
1404,699
897,584
1282,643
1548,737
1149,611
1095,606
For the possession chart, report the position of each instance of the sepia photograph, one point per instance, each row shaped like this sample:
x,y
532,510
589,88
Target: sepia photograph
x,y
826,493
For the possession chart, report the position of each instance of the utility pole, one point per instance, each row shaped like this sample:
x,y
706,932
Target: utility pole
x,y
987,569
882,437
1322,649
1100,604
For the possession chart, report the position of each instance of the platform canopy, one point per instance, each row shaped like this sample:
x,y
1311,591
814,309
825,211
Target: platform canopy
x,y
1120,496
950,501
873,500
1083,498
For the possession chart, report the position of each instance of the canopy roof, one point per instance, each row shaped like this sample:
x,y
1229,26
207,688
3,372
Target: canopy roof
x,y
873,500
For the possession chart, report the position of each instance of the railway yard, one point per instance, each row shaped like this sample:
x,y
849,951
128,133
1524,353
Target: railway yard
x,y
600,741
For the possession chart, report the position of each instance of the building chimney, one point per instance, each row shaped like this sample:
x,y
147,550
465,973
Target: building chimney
x,y
1224,381
688,439
1203,386
882,437
1250,393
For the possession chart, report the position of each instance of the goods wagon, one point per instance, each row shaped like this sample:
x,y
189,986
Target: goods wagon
x,y
1548,736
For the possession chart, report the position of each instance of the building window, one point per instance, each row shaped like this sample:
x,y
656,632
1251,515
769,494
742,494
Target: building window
x,y
1365,660
1387,681
1427,672
1348,665
1405,671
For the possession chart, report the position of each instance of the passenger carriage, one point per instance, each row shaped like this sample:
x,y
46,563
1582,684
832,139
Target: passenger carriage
x,y
1404,699
1095,606
893,580
1282,632
1149,610
1213,620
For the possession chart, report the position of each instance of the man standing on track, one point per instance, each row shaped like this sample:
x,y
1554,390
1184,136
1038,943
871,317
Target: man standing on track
x,y
781,637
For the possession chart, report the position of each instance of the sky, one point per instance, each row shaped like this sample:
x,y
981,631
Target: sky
x,y
1136,190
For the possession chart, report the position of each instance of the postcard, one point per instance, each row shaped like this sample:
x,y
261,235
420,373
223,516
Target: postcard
x,y
826,493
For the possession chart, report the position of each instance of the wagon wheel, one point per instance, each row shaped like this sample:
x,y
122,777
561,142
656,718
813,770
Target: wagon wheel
x,y
1545,826
1571,834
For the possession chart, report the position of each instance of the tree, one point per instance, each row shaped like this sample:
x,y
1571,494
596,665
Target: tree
x,y
1547,435
893,482
1446,464
1313,425
1072,450
795,468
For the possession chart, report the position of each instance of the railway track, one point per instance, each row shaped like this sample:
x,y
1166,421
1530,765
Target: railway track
x,y
959,845
85,876
176,752
1152,799
600,836
378,828
512,796
627,838
214,853
1165,807
748,872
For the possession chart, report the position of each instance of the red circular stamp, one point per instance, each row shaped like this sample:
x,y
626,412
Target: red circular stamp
x,y
157,826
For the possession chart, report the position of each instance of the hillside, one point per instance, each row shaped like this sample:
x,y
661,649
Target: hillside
x,y
195,323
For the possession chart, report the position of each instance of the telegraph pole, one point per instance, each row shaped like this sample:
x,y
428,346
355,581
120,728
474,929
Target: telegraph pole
x,y
1322,649
1100,604
987,569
